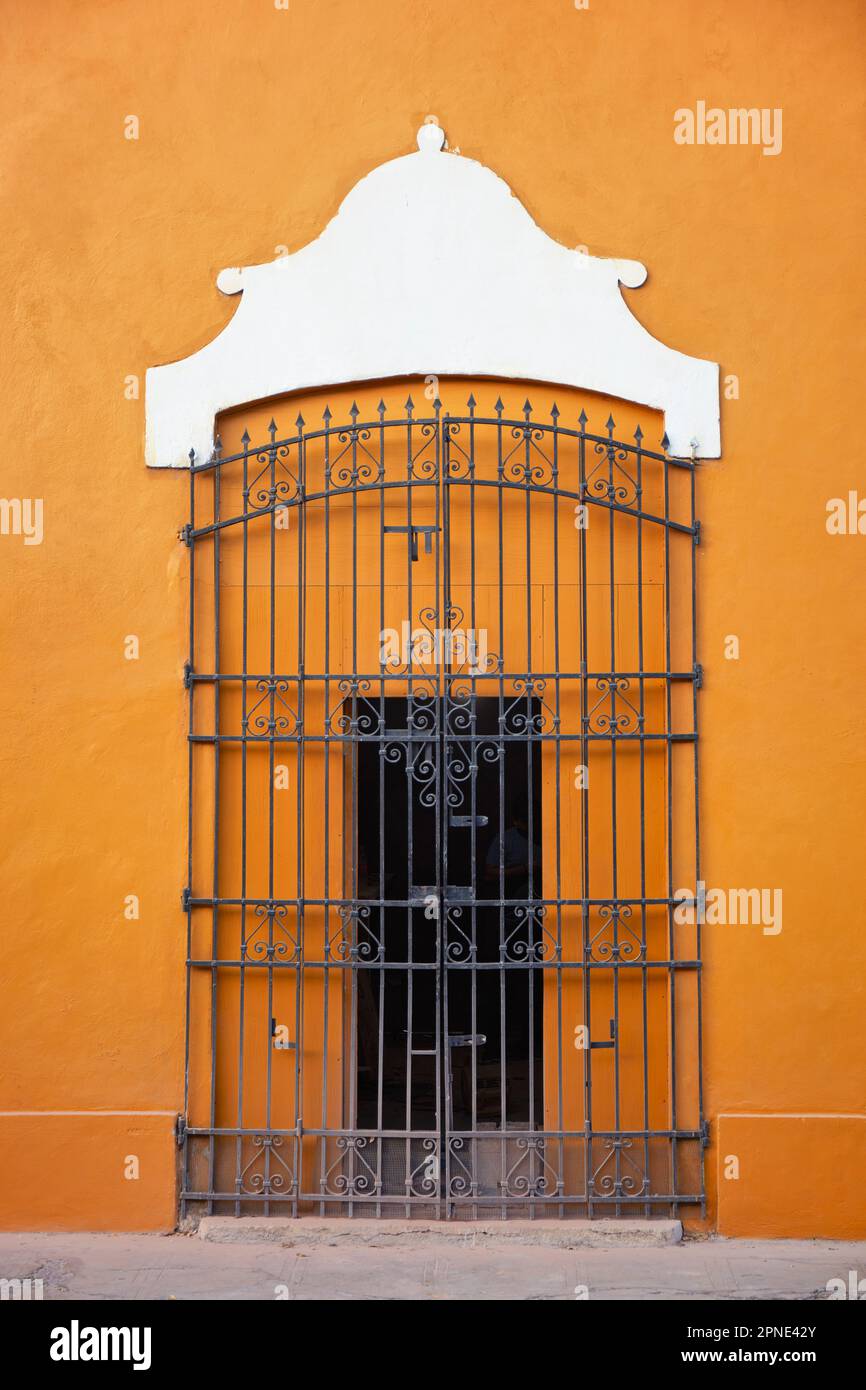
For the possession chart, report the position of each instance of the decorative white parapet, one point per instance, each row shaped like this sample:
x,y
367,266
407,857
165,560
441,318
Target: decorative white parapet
x,y
430,267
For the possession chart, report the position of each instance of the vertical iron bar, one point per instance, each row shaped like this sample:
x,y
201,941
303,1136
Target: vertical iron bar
x,y
614,729
669,827
585,857
698,924
530,825
326,854
638,434
216,828
300,773
442,611
473,812
557,811
503,746
272,525
410,819
239,1146
380,1032
189,850
353,840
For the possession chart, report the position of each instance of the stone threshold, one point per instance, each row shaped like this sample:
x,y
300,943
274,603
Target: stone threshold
x,y
373,1232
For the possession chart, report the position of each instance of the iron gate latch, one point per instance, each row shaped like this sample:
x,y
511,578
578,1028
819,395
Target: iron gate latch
x,y
414,532
612,1042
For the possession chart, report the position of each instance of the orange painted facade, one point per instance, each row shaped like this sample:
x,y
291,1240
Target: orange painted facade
x,y
254,123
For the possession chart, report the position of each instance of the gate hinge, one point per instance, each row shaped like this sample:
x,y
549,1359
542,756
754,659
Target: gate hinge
x,y
185,534
187,675
705,1134
699,675
180,1130
696,532
185,898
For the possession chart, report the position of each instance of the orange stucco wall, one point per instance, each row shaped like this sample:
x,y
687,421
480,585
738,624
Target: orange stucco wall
x,y
254,122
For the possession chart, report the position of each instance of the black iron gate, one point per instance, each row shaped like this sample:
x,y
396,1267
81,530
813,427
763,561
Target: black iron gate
x,y
442,949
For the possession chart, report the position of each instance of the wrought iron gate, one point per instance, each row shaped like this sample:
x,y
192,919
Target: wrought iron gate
x,y
443,845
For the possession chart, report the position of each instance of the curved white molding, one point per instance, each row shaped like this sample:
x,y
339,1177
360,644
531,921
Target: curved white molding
x,y
430,267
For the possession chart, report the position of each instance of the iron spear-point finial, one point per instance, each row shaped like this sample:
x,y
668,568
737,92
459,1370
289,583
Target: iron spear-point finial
x,y
609,424
272,427
192,456
554,410
326,414
638,434
354,412
666,443
437,405
381,406
582,419
527,406
499,407
410,404
217,446
300,422
472,401
245,438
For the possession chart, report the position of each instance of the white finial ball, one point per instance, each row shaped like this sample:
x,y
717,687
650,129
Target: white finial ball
x,y
431,137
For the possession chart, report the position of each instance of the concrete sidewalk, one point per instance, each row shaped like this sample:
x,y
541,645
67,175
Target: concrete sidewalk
x,y
187,1267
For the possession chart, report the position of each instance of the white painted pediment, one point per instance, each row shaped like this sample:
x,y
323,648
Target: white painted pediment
x,y
430,267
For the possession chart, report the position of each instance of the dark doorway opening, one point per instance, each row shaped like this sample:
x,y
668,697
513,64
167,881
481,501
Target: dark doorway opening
x,y
449,1014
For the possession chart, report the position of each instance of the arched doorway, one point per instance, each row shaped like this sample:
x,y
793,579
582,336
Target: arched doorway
x,y
443,793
